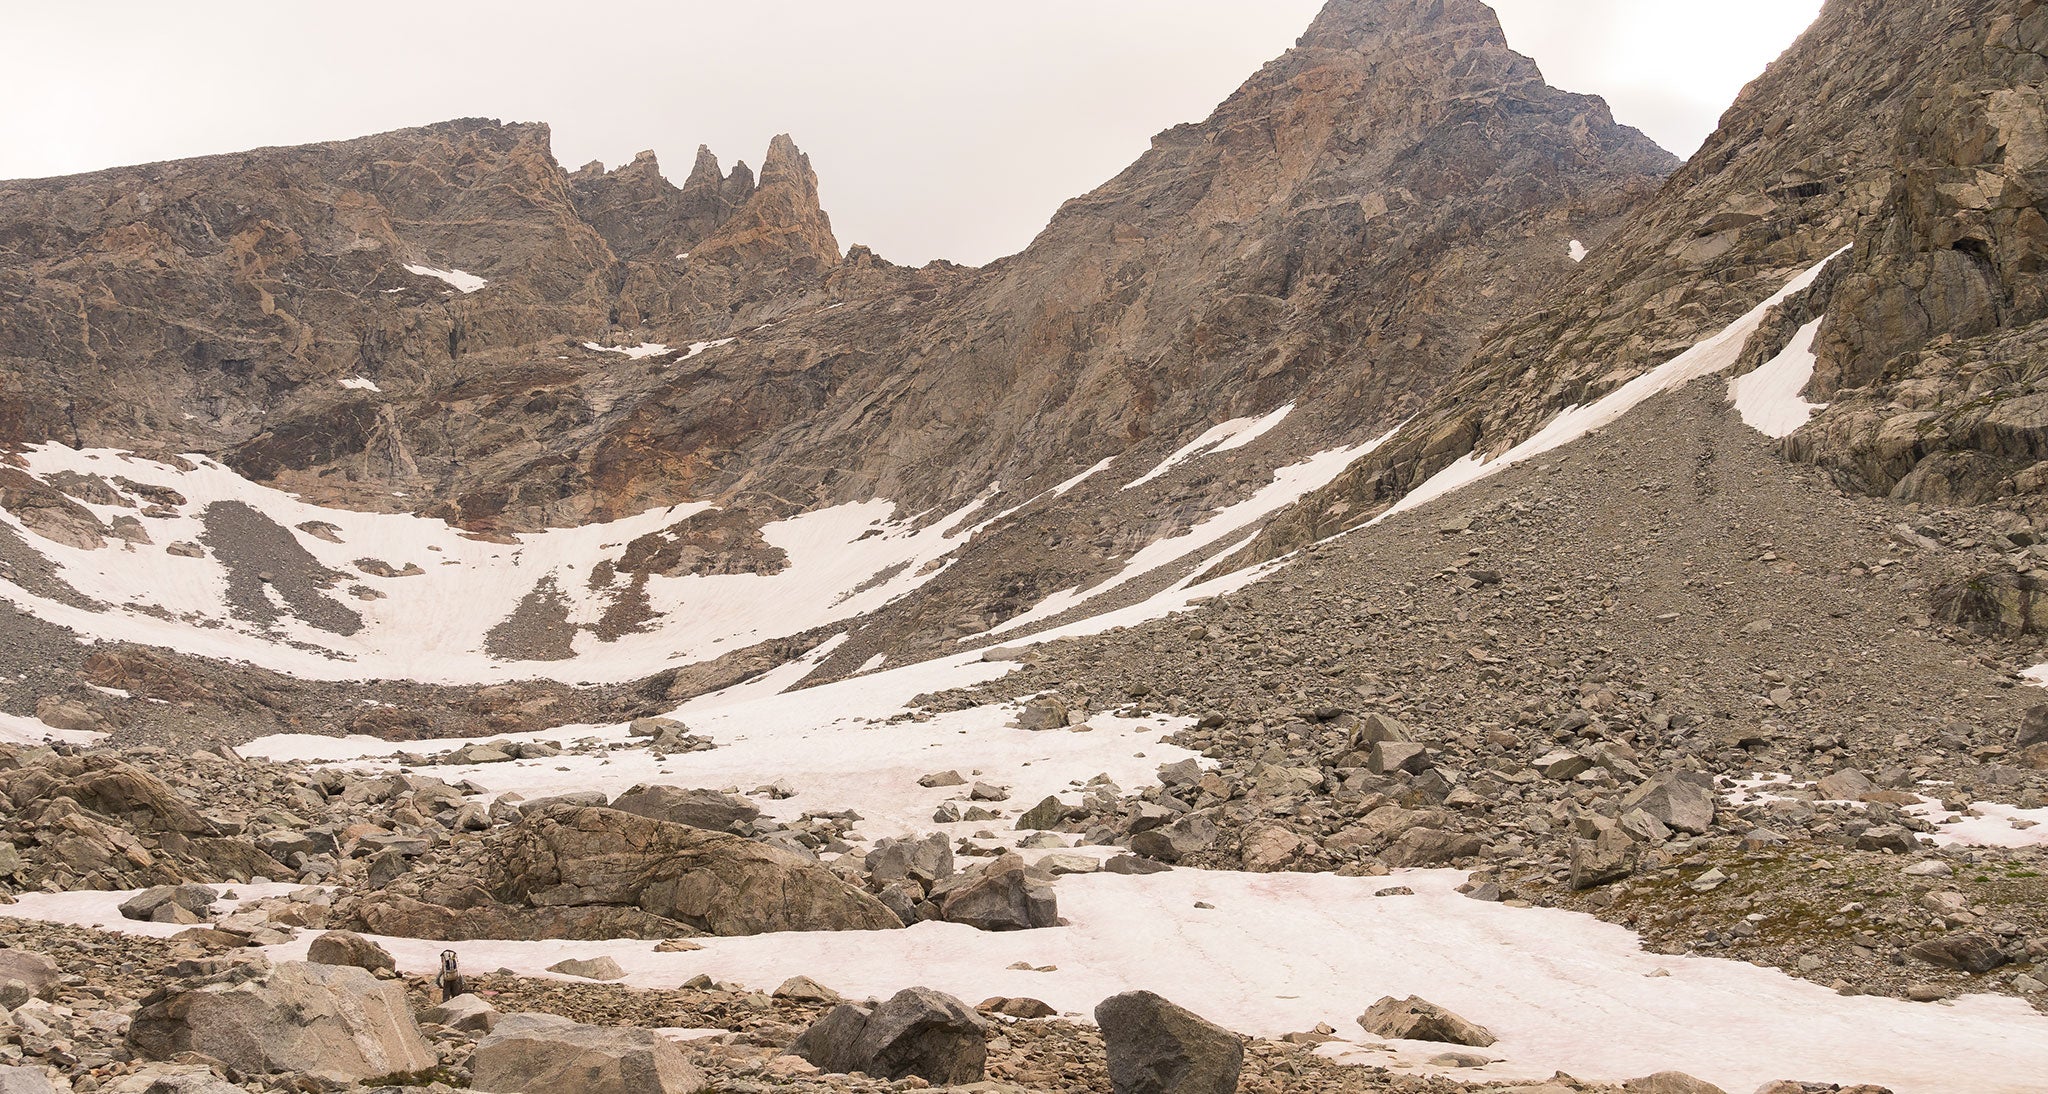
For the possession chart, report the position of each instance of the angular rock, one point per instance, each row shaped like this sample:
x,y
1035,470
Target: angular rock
x,y
1563,765
327,1020
1968,951
1388,757
1680,800
147,904
1415,1019
1044,816
1001,897
1846,786
25,976
351,949
712,881
1156,1047
468,1013
24,1080
524,1053
706,809
1430,847
926,861
1190,834
1598,862
1042,714
917,1031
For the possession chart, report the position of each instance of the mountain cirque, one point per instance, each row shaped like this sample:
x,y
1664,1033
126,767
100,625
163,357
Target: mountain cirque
x,y
1295,543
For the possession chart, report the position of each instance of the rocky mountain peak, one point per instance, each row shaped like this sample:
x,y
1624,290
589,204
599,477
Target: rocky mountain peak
x,y
1364,26
783,221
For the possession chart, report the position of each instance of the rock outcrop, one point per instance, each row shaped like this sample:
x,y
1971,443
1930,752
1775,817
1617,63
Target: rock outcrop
x,y
529,1052
568,871
326,1020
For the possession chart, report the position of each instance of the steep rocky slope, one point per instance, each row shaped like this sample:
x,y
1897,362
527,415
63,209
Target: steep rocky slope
x,y
1305,267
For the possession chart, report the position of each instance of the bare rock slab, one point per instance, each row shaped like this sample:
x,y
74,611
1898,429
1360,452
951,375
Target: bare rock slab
x,y
329,1020
1417,1019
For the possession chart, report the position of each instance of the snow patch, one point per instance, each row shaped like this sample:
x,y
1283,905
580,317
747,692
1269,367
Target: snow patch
x,y
17,730
1231,435
1770,399
639,352
843,562
1578,251
1067,487
1290,484
358,383
461,281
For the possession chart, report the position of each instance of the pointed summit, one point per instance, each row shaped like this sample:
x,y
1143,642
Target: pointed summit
x,y
1365,25
783,222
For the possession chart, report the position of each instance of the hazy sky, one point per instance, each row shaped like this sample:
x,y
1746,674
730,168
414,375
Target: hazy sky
x,y
941,128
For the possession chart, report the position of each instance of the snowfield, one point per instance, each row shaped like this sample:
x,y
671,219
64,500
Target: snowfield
x,y
1271,954
432,625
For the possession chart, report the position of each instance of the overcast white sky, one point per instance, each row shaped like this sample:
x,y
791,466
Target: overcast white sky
x,y
941,128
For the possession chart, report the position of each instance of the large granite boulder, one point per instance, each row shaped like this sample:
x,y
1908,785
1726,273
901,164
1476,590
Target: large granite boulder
x,y
331,1021
535,1053
707,809
585,872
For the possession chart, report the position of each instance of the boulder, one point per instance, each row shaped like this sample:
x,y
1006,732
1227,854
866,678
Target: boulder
x,y
1846,786
1043,817
524,1053
803,989
1430,847
1415,1019
1042,714
1969,951
162,903
711,881
1156,1047
1188,835
593,968
1597,862
351,949
333,1021
2033,728
468,1013
1001,897
1270,847
1388,757
24,1080
919,1032
25,976
1679,800
706,809
1670,1082
926,861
